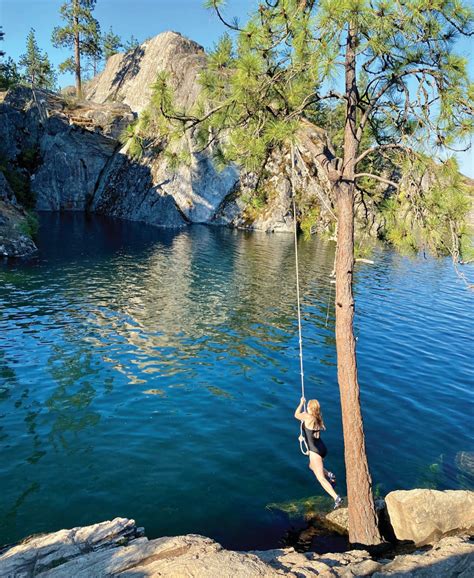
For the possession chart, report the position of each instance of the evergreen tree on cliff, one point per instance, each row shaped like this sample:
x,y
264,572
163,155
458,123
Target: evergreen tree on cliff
x,y
131,44
81,33
401,95
111,44
9,73
37,69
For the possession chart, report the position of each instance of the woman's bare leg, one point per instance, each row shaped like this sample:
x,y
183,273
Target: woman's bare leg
x,y
316,465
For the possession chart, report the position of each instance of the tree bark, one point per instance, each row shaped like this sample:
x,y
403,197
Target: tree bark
x,y
77,51
362,516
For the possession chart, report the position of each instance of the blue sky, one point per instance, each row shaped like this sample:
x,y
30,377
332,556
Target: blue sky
x,y
142,18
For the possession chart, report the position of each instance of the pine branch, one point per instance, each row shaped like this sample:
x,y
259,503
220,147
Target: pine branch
x,y
377,178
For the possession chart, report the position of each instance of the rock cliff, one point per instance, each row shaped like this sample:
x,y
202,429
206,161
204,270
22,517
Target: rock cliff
x,y
15,234
76,161
63,150
199,189
119,548
128,77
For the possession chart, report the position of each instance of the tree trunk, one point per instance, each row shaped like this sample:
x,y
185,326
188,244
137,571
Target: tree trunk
x,y
77,52
362,516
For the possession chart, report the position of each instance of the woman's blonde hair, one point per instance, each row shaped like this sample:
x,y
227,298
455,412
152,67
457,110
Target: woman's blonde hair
x,y
314,409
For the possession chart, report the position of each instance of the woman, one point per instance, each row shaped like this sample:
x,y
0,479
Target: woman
x,y
312,425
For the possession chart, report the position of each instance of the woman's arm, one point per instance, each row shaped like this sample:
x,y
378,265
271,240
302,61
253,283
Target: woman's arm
x,y
299,413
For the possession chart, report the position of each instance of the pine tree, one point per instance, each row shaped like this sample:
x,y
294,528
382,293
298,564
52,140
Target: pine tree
x,y
131,44
111,44
37,69
403,95
81,33
9,74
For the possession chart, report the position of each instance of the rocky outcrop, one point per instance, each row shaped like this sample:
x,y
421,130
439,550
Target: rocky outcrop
x,y
119,548
128,190
128,77
450,558
72,162
15,236
66,147
80,164
424,516
68,151
198,189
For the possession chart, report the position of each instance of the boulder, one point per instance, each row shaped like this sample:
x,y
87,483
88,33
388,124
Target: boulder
x,y
465,460
451,557
424,516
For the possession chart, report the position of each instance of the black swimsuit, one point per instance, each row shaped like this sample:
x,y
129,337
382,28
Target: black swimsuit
x,y
315,443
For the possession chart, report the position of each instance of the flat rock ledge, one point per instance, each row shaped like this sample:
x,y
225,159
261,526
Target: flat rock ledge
x,y
119,548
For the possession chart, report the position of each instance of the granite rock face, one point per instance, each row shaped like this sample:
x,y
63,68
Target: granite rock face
x,y
66,146
128,77
15,241
424,516
72,162
199,189
71,147
118,548
128,190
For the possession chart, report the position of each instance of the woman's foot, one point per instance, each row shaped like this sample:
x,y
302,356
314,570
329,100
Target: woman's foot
x,y
331,477
337,502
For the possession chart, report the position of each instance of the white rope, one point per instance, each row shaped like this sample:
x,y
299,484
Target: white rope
x,y
301,438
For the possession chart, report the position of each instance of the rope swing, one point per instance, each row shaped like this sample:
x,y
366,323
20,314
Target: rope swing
x,y
301,438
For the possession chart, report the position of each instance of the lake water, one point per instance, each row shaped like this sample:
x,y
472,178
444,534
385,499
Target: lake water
x,y
154,375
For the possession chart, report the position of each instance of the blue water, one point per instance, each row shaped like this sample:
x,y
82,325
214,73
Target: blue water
x,y
205,317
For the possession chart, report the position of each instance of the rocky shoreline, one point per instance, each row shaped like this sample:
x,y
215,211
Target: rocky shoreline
x,y
432,527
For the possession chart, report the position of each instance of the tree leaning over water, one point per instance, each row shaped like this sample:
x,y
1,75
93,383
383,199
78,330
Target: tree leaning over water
x,y
401,95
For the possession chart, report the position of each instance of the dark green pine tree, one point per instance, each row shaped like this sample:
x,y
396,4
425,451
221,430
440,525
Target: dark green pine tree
x,y
111,44
131,44
36,67
81,33
402,93
9,74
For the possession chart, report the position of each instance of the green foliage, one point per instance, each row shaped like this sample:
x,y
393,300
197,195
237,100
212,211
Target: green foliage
x,y
429,212
9,74
80,24
111,43
29,158
37,69
131,44
411,92
30,225
309,220
131,136
18,176
19,181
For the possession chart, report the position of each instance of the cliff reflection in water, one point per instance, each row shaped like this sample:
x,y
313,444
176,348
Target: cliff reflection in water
x,y
153,374
223,292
